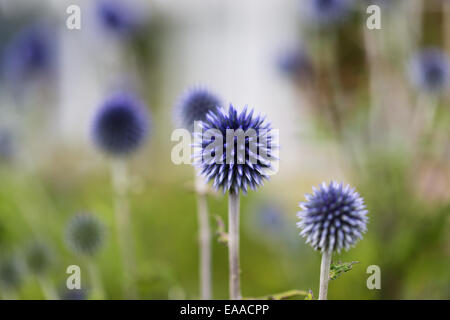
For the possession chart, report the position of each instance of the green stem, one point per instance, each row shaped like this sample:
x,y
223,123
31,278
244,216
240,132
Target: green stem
x,y
233,246
204,240
96,282
324,274
123,225
48,289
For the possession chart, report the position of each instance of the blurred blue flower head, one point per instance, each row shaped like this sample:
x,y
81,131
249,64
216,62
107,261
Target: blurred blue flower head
x,y
85,234
271,218
430,70
327,12
39,258
30,54
118,16
194,105
239,165
296,64
334,217
121,124
11,273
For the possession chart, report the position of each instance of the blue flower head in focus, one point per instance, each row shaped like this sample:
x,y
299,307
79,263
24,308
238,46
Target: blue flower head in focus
x,y
430,70
334,217
121,124
227,156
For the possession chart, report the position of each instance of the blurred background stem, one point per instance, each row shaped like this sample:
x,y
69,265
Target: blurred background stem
x,y
96,281
123,225
204,239
49,290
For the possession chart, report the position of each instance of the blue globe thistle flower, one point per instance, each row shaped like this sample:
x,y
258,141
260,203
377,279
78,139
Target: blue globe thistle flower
x,y
327,12
194,105
120,125
234,166
38,258
11,273
31,53
430,70
296,64
334,217
85,234
117,17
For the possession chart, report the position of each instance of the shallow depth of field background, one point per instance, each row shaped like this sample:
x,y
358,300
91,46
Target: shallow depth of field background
x,y
358,130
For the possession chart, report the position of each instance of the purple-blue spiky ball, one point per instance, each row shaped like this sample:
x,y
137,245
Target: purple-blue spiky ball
x,y
430,70
236,166
334,217
121,124
194,105
117,16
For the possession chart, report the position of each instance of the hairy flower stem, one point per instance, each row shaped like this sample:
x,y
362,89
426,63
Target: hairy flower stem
x,y
233,246
96,282
123,225
324,274
204,240
48,289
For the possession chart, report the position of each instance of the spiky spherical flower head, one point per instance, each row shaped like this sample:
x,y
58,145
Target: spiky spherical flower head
x,y
39,258
85,234
327,12
11,273
194,105
121,124
234,150
334,217
430,70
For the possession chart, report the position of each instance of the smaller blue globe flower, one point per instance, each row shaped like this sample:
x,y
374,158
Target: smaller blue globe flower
x,y
39,258
327,12
11,273
117,16
31,53
121,124
296,64
85,234
430,70
334,217
194,105
226,155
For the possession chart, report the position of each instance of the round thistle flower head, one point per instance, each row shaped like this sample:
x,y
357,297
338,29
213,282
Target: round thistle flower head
x,y
85,234
327,12
194,105
430,70
296,64
38,258
334,217
117,16
120,125
11,273
234,150
30,53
